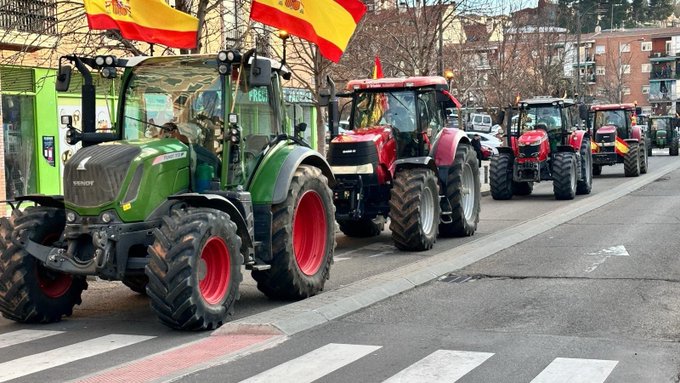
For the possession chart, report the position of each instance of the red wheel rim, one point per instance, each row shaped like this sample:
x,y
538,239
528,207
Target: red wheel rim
x,y
52,283
309,233
214,270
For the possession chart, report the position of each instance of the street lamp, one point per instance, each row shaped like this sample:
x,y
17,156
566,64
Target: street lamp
x,y
283,35
619,79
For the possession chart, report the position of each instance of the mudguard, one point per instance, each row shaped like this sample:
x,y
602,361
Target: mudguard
x,y
240,215
576,139
447,143
279,166
40,199
636,133
414,162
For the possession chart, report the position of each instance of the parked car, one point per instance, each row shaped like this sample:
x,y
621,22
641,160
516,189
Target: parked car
x,y
487,139
488,152
480,122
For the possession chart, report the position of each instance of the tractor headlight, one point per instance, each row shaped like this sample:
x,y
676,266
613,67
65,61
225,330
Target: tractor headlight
x,y
107,217
70,217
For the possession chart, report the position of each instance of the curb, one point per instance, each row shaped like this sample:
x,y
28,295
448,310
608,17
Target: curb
x,y
303,315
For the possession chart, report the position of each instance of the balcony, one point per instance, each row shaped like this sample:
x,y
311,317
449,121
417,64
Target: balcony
x,y
660,56
588,78
662,72
660,97
586,62
28,25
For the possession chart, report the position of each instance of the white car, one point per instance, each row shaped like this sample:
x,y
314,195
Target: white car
x,y
487,139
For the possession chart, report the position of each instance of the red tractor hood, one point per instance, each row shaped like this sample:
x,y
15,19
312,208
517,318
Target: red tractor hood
x,y
607,129
532,137
377,134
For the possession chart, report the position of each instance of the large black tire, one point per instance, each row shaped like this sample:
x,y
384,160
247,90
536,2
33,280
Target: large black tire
x,y
673,147
303,239
195,269
414,209
649,149
463,190
136,283
564,175
644,161
631,161
30,292
597,170
501,176
585,184
522,188
362,228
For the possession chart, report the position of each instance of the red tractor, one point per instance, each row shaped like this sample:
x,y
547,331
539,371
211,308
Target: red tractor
x,y
617,139
400,161
544,142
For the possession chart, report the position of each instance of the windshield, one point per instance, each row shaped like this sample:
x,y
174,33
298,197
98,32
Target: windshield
x,y
659,124
615,118
385,108
546,117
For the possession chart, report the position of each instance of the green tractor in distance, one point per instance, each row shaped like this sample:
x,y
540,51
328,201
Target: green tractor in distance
x,y
197,179
662,132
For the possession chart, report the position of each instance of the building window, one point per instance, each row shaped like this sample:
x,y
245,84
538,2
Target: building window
x,y
18,122
625,68
33,16
624,47
646,46
599,71
646,68
625,90
645,89
599,49
668,47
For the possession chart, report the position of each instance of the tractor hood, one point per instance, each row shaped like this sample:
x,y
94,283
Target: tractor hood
x,y
606,129
377,134
533,137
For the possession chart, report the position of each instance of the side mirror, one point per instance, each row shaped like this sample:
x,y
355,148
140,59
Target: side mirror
x,y
260,72
300,128
73,136
63,78
583,111
638,110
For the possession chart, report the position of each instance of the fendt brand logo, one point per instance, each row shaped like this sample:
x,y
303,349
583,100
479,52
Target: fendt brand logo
x,y
83,183
81,165
349,151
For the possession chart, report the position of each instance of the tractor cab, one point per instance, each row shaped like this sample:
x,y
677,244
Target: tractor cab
x,y
663,133
610,119
543,124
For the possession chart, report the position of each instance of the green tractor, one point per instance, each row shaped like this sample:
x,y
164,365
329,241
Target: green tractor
x,y
198,178
663,133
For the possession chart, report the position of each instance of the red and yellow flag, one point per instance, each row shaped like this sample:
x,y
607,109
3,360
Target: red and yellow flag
x,y
377,69
152,21
620,146
327,23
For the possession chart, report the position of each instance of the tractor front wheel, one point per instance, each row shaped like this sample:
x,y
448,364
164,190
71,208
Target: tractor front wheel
x,y
195,269
644,161
29,291
631,161
501,176
585,185
564,176
362,228
414,209
463,191
673,147
303,239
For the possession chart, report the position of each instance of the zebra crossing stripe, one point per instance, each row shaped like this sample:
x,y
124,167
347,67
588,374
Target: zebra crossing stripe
x,y
441,366
570,370
45,360
314,365
22,336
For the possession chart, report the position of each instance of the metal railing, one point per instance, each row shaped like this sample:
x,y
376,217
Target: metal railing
x,y
32,16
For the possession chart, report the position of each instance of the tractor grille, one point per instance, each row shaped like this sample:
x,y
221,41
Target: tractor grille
x,y
93,176
605,137
529,151
353,153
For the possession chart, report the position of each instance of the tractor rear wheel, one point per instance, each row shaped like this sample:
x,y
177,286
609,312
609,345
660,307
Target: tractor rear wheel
x,y
522,188
597,170
564,175
585,185
463,191
195,269
303,239
644,162
631,161
649,149
362,228
501,176
414,209
673,147
29,291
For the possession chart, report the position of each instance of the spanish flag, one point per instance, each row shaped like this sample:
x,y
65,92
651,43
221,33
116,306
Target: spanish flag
x,y
377,69
327,23
152,21
620,147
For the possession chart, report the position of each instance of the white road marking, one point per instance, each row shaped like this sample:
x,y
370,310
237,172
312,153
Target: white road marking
x,y
441,366
45,360
315,364
340,259
22,336
570,370
614,251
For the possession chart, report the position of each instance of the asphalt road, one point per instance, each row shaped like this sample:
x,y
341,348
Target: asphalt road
x,y
110,308
596,296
